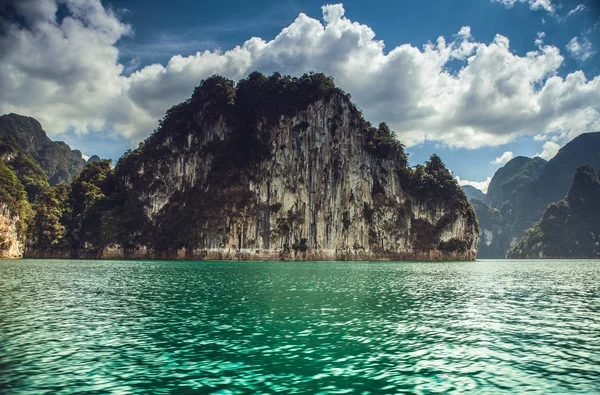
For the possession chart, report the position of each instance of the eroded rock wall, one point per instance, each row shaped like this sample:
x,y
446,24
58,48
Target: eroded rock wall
x,y
11,238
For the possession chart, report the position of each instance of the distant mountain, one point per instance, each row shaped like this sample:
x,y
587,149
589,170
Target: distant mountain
x,y
492,237
56,159
29,163
93,158
569,228
473,193
558,173
521,190
495,213
512,177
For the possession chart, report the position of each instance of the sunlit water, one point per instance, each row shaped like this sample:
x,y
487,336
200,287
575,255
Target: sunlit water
x,y
486,327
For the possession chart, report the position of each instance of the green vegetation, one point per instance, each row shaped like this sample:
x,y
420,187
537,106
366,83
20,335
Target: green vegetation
x,y
569,228
382,142
182,189
12,192
523,189
54,158
21,181
27,171
52,210
433,183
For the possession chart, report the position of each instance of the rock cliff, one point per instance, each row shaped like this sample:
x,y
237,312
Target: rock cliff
x,y
12,239
569,228
273,168
521,190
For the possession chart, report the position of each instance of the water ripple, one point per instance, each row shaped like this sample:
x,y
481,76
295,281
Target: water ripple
x,y
299,327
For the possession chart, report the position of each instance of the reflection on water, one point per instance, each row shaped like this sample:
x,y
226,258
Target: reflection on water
x,y
298,327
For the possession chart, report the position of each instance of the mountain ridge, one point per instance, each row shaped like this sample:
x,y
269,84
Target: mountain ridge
x,y
56,158
569,228
522,189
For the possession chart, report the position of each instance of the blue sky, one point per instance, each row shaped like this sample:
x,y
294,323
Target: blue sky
x,y
512,77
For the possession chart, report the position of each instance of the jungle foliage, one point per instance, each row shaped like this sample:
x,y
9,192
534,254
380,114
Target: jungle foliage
x,y
104,206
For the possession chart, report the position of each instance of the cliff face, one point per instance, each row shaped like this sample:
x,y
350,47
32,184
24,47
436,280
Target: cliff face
x,y
511,178
521,190
569,228
12,239
494,237
504,213
14,207
227,179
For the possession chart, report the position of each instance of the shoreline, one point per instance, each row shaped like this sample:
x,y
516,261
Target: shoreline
x,y
218,254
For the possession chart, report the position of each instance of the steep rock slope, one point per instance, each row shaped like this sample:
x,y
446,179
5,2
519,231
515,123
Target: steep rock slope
x,y
12,242
473,193
515,175
14,211
273,168
493,237
554,183
521,190
499,222
56,158
569,228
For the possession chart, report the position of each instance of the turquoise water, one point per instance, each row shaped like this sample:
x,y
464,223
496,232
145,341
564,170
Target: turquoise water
x,y
115,327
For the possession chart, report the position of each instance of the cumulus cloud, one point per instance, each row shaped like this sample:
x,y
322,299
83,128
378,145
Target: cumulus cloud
x,y
481,185
533,4
503,159
66,73
581,50
549,150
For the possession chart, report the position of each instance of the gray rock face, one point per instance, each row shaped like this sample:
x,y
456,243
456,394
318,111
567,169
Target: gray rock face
x,y
273,168
12,241
319,194
520,192
569,228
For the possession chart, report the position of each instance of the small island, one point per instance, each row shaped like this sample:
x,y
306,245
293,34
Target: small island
x,y
270,168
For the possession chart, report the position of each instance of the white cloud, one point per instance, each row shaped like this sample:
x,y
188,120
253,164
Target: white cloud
x,y
549,150
503,159
581,50
580,7
67,74
533,4
481,185
539,41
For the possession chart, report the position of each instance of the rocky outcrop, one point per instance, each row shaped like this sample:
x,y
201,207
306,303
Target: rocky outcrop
x,y
521,190
93,158
509,181
12,240
225,178
569,228
493,233
56,158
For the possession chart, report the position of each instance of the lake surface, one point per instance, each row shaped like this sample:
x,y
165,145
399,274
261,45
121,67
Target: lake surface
x,y
123,327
